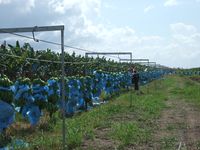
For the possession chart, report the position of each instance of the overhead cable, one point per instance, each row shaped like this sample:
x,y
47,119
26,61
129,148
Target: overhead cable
x,y
48,61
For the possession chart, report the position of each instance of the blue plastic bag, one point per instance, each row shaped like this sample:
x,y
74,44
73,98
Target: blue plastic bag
x,y
6,115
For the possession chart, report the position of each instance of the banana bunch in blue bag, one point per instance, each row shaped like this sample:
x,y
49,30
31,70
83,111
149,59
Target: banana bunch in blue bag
x,y
40,92
23,92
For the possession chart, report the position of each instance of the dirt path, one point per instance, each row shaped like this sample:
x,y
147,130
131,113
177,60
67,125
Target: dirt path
x,y
100,142
178,127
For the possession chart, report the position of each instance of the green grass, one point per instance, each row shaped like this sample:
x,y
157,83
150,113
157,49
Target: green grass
x,y
169,143
136,129
129,133
186,89
175,126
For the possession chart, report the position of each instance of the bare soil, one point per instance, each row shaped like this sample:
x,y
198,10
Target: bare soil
x,y
178,127
195,79
101,141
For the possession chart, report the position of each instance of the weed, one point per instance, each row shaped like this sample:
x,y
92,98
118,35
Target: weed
x,y
129,133
168,143
175,126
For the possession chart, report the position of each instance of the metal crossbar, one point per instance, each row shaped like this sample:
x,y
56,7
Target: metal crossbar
x,y
109,53
132,60
32,29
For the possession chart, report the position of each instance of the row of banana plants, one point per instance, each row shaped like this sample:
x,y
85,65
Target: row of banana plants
x,y
29,98
23,65
188,73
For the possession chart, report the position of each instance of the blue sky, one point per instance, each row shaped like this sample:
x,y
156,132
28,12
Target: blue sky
x,y
151,17
165,31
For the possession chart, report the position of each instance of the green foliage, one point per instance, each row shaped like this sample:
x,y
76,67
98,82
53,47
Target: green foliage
x,y
24,81
103,96
4,139
6,94
15,67
39,82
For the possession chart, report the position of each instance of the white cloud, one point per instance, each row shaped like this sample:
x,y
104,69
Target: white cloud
x,y
83,28
28,6
109,6
184,47
149,8
4,2
61,6
181,28
185,34
23,6
169,3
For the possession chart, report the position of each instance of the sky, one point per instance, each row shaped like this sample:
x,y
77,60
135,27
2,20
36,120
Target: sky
x,y
165,31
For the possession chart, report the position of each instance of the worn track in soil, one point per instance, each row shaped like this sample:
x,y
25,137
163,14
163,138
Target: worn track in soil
x,y
179,122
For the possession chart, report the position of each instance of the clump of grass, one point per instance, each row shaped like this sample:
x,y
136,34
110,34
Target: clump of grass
x,y
168,143
129,133
186,89
198,144
176,126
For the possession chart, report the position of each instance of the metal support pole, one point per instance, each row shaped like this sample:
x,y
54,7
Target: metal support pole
x,y
148,78
131,57
155,79
42,29
132,85
63,88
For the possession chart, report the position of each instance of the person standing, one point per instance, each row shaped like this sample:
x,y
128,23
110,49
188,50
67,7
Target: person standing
x,y
135,80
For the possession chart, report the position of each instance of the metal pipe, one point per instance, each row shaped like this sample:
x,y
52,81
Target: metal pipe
x,y
109,53
32,29
63,87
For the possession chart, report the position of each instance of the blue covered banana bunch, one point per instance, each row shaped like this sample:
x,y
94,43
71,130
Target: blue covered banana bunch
x,y
33,110
116,81
80,103
86,92
22,93
53,96
24,101
74,95
108,87
6,99
97,85
40,92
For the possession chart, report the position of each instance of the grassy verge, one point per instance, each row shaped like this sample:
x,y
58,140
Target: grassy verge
x,y
187,89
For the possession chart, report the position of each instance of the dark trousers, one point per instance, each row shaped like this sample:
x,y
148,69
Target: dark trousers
x,y
136,86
